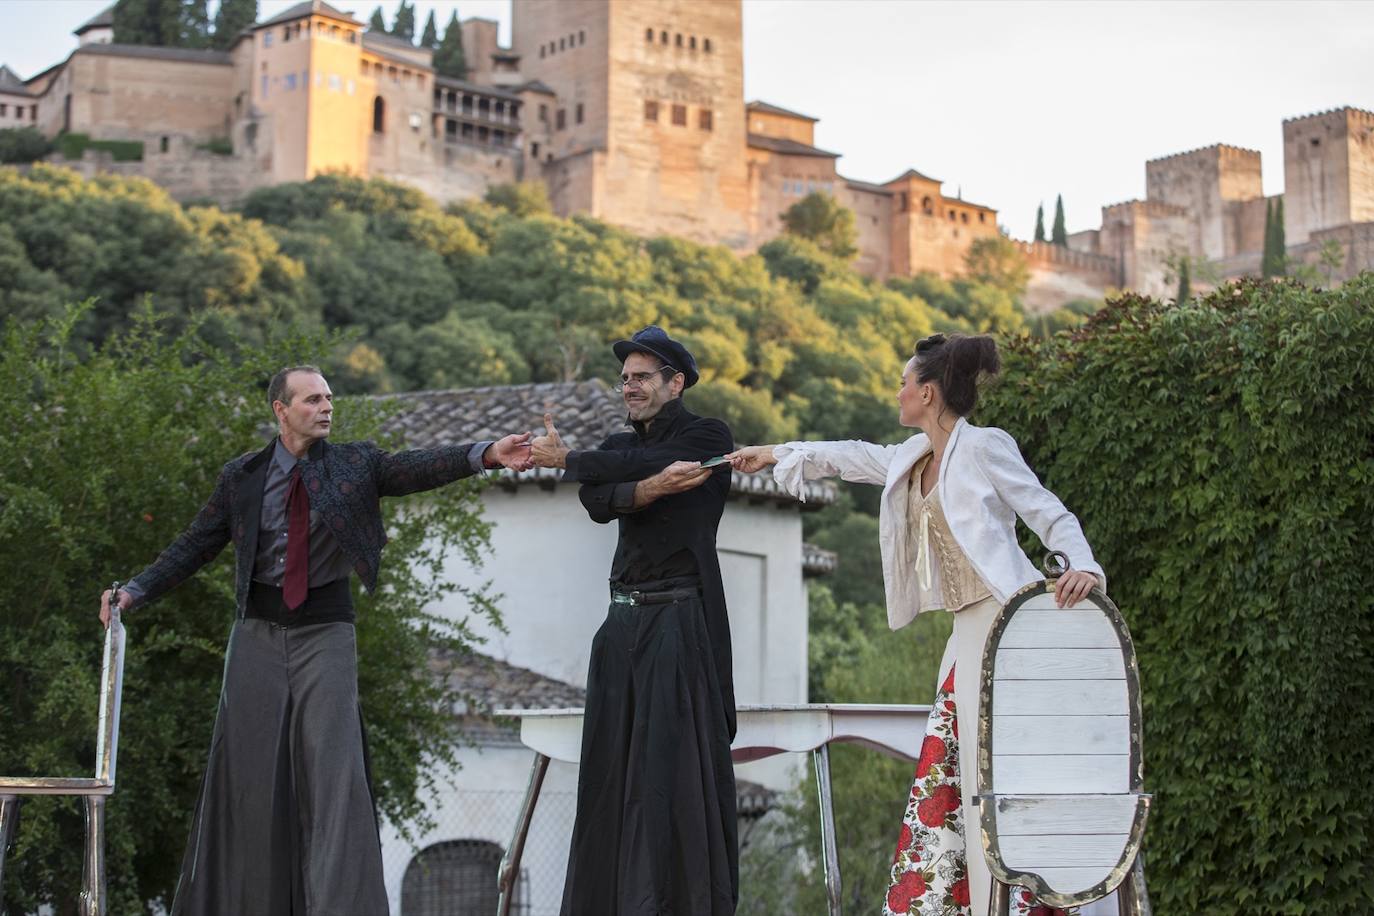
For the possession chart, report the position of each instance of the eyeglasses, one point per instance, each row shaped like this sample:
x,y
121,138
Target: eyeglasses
x,y
639,380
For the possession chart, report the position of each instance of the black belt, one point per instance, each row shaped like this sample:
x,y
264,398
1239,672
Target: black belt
x,y
663,591
328,603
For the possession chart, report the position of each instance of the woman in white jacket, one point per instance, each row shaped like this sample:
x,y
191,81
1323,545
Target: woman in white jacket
x,y
947,529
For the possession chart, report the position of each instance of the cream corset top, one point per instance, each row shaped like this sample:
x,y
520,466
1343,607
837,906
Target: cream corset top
x,y
944,576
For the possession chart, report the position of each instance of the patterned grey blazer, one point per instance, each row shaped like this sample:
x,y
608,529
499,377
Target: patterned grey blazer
x,y
345,483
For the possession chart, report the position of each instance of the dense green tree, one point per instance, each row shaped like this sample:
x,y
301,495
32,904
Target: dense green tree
x,y
430,37
232,17
106,459
170,23
449,59
403,21
521,198
1059,235
1040,223
377,21
821,219
997,261
1185,288
1274,262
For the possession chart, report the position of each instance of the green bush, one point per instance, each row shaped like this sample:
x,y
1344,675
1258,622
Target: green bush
x,y
1220,453
23,144
220,146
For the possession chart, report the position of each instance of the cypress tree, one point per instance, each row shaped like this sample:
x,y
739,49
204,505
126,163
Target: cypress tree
x,y
403,23
1058,235
164,23
1040,223
1185,286
378,22
430,38
232,18
448,57
1267,259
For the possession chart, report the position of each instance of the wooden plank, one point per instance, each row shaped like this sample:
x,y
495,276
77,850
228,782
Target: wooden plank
x,y
1061,734
1064,814
1061,697
1083,627
1032,853
1058,664
1059,775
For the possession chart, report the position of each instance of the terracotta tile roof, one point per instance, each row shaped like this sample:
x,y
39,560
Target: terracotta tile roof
x,y
585,413
817,561
103,19
777,110
305,9
11,83
789,147
151,52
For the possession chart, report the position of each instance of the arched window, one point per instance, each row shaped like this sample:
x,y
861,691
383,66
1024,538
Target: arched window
x,y
378,115
456,878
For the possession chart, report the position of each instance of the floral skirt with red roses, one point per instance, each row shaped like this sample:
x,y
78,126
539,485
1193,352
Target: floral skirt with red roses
x,y
930,869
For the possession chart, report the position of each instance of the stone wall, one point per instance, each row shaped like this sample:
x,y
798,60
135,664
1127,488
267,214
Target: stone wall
x,y
1206,182
1058,274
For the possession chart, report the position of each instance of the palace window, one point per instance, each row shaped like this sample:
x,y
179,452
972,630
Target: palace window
x,y
963,217
378,115
650,110
649,35
578,117
534,150
982,217
561,119
561,46
678,39
267,39
951,215
581,36
455,876
706,45
4,109
164,144
663,37
926,206
544,113
680,115
286,33
290,81
902,202
352,37
692,42
704,119
542,49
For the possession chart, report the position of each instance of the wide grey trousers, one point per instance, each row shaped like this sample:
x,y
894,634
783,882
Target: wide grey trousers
x,y
285,824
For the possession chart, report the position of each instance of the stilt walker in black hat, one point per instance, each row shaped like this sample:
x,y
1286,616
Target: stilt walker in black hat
x,y
655,830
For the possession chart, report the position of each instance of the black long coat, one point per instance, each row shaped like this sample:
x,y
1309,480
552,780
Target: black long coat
x,y
682,521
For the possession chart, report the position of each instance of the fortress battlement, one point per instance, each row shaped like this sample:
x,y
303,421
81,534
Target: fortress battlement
x,y
1047,253
1359,114
1223,150
1138,207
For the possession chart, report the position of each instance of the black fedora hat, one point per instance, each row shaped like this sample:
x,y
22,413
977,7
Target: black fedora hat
x,y
654,340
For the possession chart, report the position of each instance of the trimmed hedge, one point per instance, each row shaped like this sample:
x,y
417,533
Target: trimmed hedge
x,y
1221,456
73,146
23,144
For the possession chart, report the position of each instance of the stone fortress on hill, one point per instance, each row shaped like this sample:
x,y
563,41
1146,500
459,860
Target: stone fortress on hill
x,y
633,112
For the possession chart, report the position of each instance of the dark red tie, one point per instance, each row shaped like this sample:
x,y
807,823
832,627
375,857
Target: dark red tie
x,y
297,579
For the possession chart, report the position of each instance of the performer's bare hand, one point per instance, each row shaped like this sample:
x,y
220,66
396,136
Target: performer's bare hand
x,y
1073,587
124,602
548,450
681,476
752,458
512,452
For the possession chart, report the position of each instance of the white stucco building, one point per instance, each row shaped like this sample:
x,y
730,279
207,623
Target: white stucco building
x,y
550,564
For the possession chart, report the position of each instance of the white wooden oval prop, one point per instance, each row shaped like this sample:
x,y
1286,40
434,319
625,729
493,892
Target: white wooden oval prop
x,y
1059,770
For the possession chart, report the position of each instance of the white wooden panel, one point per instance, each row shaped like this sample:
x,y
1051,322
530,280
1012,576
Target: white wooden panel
x,y
1067,814
1075,880
1083,627
1059,775
1061,734
1058,664
1067,698
1032,853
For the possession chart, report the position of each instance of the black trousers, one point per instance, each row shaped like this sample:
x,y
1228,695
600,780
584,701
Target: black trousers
x,y
655,831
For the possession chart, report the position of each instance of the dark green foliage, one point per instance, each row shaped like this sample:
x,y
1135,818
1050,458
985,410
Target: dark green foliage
x,y
821,219
524,198
72,146
1185,288
449,59
1059,235
403,22
430,37
106,459
232,17
23,144
169,23
220,146
377,22
1040,223
1218,451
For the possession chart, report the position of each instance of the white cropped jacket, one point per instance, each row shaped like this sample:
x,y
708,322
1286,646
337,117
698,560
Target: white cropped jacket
x,y
984,484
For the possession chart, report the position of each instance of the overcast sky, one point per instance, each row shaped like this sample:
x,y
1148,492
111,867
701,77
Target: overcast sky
x,y
1010,102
